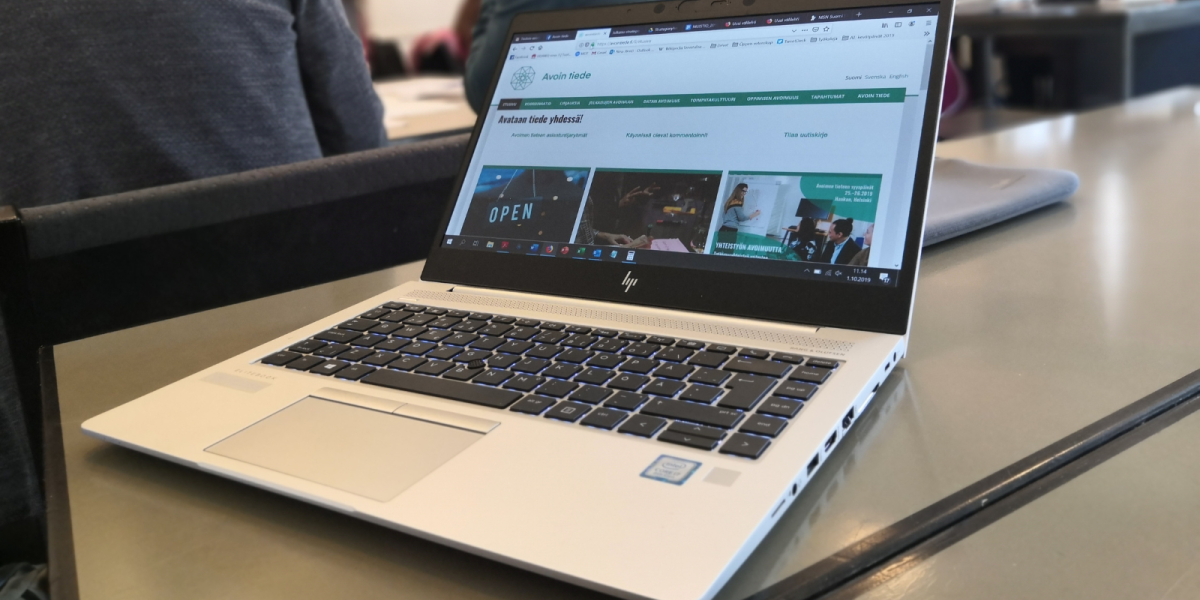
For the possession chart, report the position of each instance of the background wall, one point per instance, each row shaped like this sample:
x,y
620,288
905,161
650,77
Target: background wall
x,y
404,20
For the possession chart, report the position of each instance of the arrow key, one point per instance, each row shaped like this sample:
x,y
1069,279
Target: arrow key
x,y
749,446
691,441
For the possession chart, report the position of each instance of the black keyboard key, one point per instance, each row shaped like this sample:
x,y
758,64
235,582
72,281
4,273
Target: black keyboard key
x,y
375,313
690,345
745,391
605,418
562,370
640,366
763,425
386,328
481,316
711,433
595,376
505,320
391,345
503,361
471,355
420,319
332,350
674,371
434,335
493,377
606,361
460,339
628,381
445,323
414,308
280,358
528,322
407,363
708,359
575,356
709,376
660,340
531,365
579,341
457,313
556,388
368,340
759,354
340,336
533,405
810,374
523,333
445,352
358,324
642,350
722,348
418,348
409,331
796,389
553,326
591,394
568,411
609,345
755,366
305,363
524,383
633,337
823,363
550,337
396,317
674,354
308,346
748,446
691,441
605,333
642,425
394,305
469,326
329,367
780,407
515,347
663,387
354,372
541,350
435,311
627,400
434,367
692,412
496,329
794,359
578,329
380,359
488,343
443,388
462,373
701,393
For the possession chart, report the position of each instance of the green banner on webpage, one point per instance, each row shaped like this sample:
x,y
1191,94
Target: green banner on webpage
x,y
860,96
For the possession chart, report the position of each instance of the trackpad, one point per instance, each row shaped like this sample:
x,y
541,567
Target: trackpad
x,y
365,452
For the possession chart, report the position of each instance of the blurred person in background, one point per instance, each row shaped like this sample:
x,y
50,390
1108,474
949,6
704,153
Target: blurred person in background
x,y
98,98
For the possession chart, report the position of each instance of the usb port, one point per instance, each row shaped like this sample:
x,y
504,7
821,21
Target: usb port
x,y
849,418
831,441
812,464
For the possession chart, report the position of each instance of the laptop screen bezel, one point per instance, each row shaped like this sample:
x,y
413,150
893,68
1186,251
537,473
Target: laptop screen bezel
x,y
884,309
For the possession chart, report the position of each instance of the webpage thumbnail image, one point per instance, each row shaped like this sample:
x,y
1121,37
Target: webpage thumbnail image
x,y
525,203
649,209
811,217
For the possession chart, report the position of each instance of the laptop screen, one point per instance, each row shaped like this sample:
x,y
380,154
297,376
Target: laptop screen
x,y
781,145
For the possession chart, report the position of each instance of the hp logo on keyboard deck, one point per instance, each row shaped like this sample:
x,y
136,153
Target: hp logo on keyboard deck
x,y
628,282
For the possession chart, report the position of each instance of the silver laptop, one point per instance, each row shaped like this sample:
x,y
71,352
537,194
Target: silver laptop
x,y
678,263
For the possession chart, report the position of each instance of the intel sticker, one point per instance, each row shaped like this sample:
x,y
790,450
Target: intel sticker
x,y
670,469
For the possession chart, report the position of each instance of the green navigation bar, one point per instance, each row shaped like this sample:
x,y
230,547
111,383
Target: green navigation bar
x,y
867,96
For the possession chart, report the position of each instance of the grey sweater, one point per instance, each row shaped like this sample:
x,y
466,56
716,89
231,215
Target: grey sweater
x,y
101,96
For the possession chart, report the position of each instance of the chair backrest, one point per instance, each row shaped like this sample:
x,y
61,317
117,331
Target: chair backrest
x,y
82,268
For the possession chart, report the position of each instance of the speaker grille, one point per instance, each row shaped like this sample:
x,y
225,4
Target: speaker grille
x,y
811,344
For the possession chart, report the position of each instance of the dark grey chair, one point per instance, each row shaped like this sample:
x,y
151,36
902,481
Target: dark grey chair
x,y
83,268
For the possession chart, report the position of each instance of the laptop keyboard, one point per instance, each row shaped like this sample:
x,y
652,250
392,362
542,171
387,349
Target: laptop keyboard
x,y
720,397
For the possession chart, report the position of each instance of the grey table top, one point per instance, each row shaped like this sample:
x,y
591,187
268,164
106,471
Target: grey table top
x,y
1022,334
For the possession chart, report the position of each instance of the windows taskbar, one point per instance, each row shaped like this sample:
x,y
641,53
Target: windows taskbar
x,y
681,259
